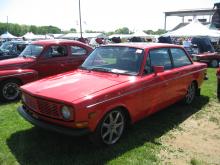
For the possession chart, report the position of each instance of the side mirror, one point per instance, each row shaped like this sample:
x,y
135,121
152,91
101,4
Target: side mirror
x,y
158,69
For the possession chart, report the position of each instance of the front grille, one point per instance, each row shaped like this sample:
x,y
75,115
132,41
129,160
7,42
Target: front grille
x,y
48,108
30,101
43,107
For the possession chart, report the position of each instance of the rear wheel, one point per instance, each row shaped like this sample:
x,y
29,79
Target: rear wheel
x,y
110,129
214,63
218,89
191,93
9,90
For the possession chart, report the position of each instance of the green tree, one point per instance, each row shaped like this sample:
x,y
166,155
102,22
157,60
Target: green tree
x,y
73,30
123,30
148,31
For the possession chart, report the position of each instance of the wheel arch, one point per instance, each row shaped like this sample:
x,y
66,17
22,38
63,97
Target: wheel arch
x,y
12,78
117,107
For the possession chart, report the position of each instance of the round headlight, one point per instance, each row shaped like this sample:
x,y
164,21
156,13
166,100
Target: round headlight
x,y
66,112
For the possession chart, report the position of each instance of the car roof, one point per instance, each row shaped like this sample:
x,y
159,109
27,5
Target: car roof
x,y
144,45
57,41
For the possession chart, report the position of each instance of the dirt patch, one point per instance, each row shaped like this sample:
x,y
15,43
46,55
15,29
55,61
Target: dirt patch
x,y
197,139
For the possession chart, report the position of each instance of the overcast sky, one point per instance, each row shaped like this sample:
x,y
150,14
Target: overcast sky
x,y
99,15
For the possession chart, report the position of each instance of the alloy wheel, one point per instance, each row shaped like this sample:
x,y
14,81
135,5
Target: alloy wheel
x,y
112,127
191,92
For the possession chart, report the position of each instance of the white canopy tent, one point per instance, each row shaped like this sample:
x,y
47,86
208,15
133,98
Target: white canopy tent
x,y
29,36
7,35
195,28
141,34
85,35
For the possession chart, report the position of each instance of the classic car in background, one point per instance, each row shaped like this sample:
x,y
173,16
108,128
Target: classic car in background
x,y
12,49
39,59
205,52
115,86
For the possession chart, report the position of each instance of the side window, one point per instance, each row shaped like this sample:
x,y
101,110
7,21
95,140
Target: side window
x,y
158,57
179,57
78,51
56,51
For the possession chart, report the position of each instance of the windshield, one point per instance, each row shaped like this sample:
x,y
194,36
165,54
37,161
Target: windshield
x,y
6,46
115,59
32,50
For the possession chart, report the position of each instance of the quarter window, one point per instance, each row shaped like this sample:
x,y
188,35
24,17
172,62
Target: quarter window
x,y
179,57
78,51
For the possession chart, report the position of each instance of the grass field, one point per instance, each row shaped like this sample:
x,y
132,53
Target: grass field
x,y
21,143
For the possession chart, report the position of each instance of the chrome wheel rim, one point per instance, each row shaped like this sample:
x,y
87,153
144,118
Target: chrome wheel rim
x,y
10,91
190,93
112,127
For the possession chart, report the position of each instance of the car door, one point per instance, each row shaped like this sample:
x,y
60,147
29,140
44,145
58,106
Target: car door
x,y
181,73
156,88
52,61
76,57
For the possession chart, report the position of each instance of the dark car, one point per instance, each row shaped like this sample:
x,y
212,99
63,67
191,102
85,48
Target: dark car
x,y
12,49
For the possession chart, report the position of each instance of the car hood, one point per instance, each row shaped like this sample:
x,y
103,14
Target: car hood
x,y
15,63
73,85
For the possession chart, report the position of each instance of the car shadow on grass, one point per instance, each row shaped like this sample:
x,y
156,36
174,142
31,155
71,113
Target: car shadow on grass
x,y
36,146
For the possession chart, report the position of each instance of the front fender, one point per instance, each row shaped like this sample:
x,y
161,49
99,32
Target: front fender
x,y
25,75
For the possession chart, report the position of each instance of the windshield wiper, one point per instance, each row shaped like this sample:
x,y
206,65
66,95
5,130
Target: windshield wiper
x,y
101,69
84,68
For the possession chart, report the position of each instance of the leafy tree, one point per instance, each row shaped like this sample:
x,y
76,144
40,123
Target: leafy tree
x,y
149,31
73,30
123,30
19,30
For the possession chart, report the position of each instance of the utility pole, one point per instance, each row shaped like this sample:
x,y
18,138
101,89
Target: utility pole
x,y
7,23
80,22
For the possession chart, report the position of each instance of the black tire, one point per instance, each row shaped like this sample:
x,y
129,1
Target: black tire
x,y
191,93
218,89
9,90
214,63
110,128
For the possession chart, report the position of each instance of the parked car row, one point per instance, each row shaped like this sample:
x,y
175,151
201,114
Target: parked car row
x,y
117,85
75,90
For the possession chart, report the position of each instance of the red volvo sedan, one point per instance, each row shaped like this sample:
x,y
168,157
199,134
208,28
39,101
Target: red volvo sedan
x,y
115,86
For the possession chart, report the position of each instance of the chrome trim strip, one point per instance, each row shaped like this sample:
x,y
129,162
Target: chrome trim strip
x,y
140,89
16,74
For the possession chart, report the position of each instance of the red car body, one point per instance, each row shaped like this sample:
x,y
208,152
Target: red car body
x,y
218,83
95,96
27,68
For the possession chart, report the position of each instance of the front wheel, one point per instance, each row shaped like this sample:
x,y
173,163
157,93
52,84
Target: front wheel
x,y
110,129
9,90
190,94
